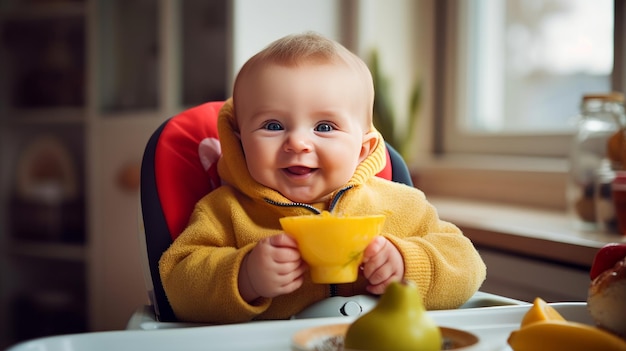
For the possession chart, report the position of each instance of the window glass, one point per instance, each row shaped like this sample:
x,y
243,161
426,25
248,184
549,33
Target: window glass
x,y
529,62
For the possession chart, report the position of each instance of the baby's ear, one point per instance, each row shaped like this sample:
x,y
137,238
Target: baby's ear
x,y
370,139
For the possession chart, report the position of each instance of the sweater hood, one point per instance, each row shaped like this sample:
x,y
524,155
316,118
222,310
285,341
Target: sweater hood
x,y
233,170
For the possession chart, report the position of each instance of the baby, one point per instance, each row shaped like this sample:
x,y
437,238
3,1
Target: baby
x,y
297,138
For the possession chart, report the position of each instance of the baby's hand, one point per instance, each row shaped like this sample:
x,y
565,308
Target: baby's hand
x,y
274,267
382,264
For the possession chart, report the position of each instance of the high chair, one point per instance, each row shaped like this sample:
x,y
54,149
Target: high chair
x,y
179,167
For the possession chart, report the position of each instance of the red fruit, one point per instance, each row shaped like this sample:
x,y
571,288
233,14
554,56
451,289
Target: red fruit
x,y
606,258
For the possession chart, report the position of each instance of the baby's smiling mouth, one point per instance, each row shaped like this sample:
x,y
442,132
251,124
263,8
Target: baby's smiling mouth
x,y
299,170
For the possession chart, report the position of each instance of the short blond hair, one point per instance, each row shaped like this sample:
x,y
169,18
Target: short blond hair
x,y
309,48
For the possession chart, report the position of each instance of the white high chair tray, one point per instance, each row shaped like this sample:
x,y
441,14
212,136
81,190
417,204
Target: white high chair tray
x,y
491,324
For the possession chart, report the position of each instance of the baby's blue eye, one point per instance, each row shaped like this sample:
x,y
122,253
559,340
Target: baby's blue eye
x,y
273,126
324,127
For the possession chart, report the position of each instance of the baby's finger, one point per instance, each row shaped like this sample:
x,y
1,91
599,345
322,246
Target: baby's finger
x,y
378,274
374,247
292,285
296,268
283,240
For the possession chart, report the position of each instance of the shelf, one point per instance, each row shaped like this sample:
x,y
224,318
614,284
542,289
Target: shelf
x,y
131,51
43,10
128,44
83,84
59,115
44,60
204,36
48,250
43,122
132,114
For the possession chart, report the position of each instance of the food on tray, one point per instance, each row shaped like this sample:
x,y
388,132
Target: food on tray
x,y
606,258
331,338
543,328
563,335
541,311
333,245
607,292
398,322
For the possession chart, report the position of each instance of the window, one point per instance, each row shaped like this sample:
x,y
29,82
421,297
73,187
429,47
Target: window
x,y
487,143
515,71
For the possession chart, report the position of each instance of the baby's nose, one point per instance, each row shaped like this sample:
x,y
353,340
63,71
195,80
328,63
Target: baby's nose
x,y
298,142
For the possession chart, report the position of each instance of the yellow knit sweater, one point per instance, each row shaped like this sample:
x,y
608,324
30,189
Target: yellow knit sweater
x,y
200,269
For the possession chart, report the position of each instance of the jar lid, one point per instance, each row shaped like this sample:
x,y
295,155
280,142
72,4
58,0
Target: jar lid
x,y
612,96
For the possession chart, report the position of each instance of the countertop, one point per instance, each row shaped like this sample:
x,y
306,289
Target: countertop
x,y
542,233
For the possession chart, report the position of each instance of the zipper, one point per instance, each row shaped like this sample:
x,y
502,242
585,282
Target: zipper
x,y
293,204
331,206
340,193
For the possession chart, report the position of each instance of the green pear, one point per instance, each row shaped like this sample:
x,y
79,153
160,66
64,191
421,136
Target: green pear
x,y
398,322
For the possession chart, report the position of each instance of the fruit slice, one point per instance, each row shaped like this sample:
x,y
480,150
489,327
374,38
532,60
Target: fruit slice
x,y
557,335
541,311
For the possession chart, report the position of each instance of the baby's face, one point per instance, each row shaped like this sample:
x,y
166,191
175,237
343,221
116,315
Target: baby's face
x,y
303,129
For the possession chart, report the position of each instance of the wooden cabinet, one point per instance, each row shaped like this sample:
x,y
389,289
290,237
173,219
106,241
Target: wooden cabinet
x,y
43,233
84,84
525,278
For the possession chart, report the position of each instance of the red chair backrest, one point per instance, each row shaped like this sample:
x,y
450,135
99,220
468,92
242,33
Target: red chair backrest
x,y
185,162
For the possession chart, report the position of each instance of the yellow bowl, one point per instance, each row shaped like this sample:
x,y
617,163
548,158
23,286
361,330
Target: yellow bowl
x,y
333,245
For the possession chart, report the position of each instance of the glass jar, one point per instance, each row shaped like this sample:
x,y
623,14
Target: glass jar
x,y
606,219
601,119
618,189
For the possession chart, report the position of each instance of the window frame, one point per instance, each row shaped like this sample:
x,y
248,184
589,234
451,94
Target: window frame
x,y
450,95
509,168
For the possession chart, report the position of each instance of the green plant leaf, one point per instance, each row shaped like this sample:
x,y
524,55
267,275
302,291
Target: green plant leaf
x,y
413,116
384,117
